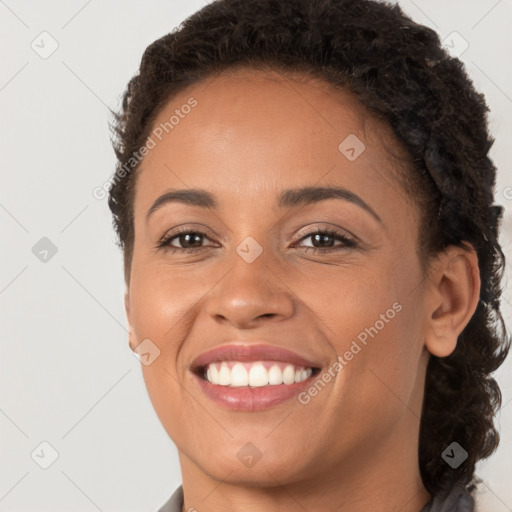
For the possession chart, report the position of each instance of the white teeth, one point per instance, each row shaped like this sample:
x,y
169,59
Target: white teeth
x,y
258,375
239,376
224,375
289,375
214,373
275,375
255,374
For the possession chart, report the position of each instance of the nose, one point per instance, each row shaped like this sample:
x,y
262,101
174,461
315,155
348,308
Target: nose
x,y
251,293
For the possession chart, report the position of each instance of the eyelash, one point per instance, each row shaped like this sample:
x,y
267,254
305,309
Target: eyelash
x,y
165,242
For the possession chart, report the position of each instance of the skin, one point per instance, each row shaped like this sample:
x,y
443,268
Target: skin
x,y
354,446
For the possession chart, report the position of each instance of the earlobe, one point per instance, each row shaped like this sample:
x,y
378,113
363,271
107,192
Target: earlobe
x,y
127,306
128,317
452,298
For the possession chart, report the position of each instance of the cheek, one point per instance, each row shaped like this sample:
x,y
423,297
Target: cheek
x,y
373,319
165,303
379,370
160,302
159,311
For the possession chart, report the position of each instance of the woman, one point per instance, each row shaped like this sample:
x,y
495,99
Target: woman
x,y
304,199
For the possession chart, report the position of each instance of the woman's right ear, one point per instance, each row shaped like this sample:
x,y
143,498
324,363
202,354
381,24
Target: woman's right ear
x,y
127,306
131,340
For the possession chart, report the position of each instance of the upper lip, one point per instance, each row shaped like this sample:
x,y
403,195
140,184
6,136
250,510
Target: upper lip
x,y
239,351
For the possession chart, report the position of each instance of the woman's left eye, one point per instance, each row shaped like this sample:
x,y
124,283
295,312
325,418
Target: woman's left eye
x,y
186,237
320,236
325,236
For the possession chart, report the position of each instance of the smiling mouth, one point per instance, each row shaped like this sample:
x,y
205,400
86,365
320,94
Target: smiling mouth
x,y
253,374
242,377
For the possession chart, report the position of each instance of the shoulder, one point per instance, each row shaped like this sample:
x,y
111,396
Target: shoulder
x,y
458,498
485,499
174,503
473,497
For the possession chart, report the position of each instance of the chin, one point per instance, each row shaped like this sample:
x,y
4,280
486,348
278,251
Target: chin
x,y
252,467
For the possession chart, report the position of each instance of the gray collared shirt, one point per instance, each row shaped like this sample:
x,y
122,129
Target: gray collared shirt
x,y
174,503
458,500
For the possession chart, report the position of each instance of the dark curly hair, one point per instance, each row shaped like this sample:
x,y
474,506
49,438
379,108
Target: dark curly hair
x,y
401,73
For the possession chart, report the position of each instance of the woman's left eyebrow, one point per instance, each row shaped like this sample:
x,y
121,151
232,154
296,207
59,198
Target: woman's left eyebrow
x,y
288,199
308,195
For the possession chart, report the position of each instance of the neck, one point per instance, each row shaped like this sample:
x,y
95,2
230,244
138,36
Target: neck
x,y
384,476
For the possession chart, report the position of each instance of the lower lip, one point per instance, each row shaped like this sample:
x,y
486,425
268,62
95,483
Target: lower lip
x,y
249,399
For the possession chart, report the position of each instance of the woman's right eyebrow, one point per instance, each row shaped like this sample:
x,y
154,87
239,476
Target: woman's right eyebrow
x,y
193,197
288,199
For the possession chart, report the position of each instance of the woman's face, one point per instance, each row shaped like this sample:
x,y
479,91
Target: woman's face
x,y
353,310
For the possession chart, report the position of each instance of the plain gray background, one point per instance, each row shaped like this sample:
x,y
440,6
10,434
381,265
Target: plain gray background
x,y
67,375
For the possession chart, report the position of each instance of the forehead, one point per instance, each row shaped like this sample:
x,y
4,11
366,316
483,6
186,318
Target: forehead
x,y
260,131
